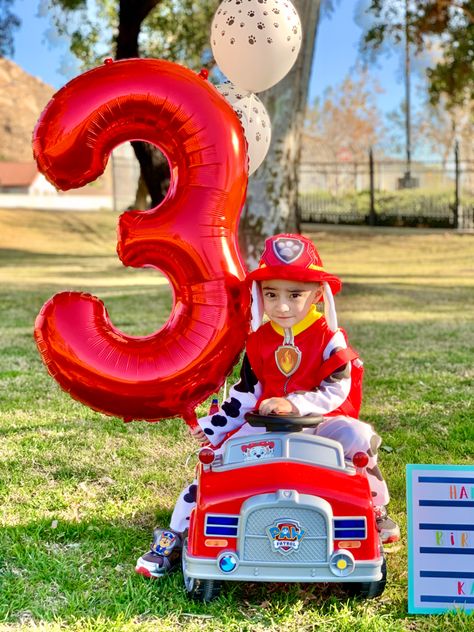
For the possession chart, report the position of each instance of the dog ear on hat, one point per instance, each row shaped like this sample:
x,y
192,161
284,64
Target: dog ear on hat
x,y
257,306
329,307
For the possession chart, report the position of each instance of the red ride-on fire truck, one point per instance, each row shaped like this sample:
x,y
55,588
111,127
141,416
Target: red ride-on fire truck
x,y
282,506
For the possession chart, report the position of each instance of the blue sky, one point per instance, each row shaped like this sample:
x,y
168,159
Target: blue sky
x,y
336,52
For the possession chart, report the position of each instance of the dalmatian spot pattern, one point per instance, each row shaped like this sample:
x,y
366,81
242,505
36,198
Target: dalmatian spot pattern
x,y
232,408
375,443
219,421
375,471
190,495
248,379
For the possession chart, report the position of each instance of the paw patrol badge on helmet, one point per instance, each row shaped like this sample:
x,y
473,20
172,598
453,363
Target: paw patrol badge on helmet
x,y
293,257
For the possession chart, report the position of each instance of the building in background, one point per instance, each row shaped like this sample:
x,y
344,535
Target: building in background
x,y
22,99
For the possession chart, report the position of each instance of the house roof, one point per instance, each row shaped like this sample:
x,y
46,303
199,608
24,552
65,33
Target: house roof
x,y
17,174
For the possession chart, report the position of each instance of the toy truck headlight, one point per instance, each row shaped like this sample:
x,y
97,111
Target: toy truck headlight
x,y
227,562
342,563
206,455
360,460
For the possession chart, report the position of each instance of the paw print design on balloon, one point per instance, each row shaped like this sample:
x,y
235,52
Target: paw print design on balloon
x,y
254,119
256,48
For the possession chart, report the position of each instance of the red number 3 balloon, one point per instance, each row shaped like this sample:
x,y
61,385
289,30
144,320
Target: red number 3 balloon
x,y
191,237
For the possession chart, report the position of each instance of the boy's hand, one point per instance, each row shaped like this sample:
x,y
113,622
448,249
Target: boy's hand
x,y
199,435
278,406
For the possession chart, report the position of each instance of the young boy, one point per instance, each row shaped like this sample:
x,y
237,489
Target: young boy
x,y
297,362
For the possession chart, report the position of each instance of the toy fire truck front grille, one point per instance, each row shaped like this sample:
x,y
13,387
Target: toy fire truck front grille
x,y
260,546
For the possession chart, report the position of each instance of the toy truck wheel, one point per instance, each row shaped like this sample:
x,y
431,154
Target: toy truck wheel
x,y
199,589
367,590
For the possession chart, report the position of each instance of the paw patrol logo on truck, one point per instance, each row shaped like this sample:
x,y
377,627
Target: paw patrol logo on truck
x,y
285,535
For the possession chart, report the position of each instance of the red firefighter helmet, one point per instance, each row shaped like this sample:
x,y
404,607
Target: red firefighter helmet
x,y
293,257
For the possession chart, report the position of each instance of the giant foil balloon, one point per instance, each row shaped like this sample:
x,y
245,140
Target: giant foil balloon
x,y
255,42
254,119
191,237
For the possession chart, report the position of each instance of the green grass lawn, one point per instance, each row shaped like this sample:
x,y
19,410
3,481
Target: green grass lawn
x,y
81,492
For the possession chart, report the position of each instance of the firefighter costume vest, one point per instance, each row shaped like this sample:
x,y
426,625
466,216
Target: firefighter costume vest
x,y
285,361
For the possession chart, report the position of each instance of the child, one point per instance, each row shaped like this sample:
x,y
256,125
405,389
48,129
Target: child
x,y
298,362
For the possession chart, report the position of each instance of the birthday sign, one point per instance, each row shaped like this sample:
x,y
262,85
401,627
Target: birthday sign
x,y
440,505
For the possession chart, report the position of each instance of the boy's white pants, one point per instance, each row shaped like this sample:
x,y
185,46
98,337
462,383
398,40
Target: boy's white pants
x,y
354,436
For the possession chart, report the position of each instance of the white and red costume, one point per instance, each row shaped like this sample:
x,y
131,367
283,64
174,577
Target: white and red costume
x,y
323,376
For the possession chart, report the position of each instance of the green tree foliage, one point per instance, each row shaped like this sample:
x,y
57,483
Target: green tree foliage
x,y
447,26
177,30
9,22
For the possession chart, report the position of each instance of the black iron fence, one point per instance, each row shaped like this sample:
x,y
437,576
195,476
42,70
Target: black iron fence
x,y
381,193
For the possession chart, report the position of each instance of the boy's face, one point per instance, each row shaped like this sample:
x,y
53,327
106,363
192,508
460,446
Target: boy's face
x,y
286,303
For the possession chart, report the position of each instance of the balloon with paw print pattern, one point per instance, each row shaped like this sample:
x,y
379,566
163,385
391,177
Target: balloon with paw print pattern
x,y
255,42
254,119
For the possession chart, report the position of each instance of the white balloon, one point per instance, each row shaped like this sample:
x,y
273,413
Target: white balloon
x,y
254,119
255,42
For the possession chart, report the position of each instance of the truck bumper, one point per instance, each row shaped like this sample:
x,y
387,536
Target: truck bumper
x,y
205,568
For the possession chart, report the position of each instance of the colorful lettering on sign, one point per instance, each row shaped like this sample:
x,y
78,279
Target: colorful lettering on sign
x,y
450,538
464,588
458,492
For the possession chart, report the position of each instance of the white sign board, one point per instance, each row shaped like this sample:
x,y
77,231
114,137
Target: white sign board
x,y
440,506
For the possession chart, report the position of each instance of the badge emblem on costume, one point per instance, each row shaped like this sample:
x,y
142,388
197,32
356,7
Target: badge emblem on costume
x,y
287,358
288,249
285,535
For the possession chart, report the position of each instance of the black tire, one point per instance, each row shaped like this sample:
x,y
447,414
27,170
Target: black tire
x,y
203,590
367,590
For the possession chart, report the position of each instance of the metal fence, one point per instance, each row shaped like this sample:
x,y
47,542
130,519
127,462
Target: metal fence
x,y
381,193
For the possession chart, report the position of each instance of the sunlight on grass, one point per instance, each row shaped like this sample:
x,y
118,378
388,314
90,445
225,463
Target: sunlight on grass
x,y
80,492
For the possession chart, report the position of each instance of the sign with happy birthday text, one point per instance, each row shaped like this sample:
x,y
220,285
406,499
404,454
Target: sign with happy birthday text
x,y
440,506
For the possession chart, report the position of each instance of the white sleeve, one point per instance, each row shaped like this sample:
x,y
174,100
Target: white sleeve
x,y
331,393
243,397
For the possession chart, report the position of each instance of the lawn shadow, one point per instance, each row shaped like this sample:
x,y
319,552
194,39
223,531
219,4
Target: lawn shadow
x,y
60,571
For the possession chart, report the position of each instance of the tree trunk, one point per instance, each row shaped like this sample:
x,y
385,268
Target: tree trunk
x,y
272,199
154,169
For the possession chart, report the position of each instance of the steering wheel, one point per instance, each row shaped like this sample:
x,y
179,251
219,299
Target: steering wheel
x,y
282,423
